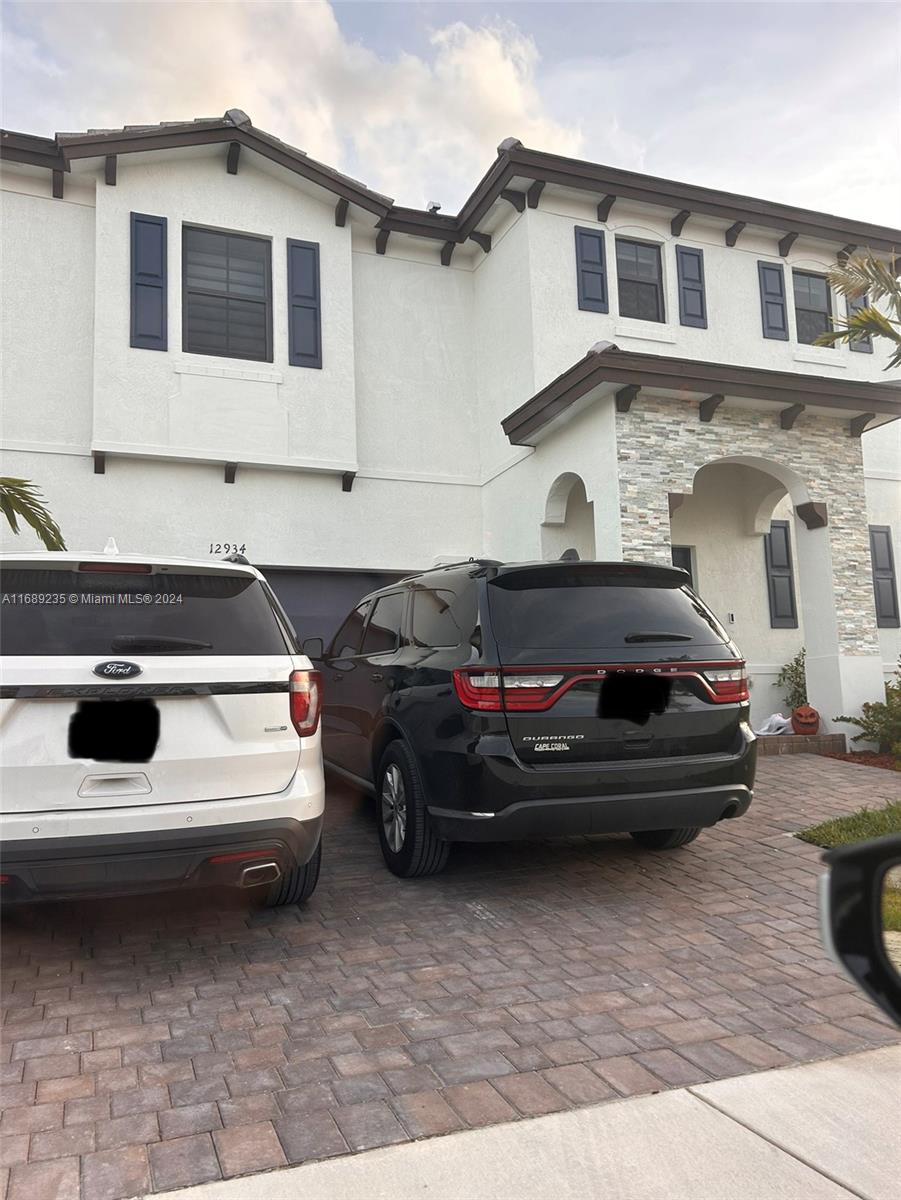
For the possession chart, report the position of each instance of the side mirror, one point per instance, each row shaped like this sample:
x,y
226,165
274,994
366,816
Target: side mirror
x,y
860,907
313,648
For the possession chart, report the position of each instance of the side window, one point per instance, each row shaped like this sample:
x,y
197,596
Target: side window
x,y
346,642
383,631
884,583
434,621
639,280
813,305
226,294
780,577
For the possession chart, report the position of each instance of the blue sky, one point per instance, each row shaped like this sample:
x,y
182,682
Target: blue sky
x,y
797,102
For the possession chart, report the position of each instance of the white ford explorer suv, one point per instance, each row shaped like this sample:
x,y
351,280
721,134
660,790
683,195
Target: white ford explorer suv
x,y
158,728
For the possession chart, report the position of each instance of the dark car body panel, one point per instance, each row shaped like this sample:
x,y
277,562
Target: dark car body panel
x,y
690,764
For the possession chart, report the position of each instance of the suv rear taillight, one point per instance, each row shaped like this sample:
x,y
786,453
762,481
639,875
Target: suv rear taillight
x,y
523,691
305,699
536,689
728,685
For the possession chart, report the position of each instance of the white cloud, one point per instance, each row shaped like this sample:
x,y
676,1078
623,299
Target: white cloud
x,y
763,100
773,100
414,128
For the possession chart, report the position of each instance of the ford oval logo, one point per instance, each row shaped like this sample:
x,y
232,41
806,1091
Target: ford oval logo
x,y
117,669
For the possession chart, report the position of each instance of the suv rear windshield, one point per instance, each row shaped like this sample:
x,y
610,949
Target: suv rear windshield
x,y
557,609
80,612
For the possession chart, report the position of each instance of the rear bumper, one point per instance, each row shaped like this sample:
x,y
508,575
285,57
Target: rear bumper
x,y
488,794
149,861
594,814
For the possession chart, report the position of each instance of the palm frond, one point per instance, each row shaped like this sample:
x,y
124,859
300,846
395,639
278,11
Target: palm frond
x,y
865,323
21,499
866,275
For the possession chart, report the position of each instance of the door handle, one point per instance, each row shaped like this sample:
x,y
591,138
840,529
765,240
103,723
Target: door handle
x,y
376,677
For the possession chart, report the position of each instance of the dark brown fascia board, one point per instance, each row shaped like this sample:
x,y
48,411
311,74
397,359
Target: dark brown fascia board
x,y
133,141
31,150
514,162
416,223
728,206
686,375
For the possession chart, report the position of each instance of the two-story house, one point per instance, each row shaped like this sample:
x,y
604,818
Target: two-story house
x,y
212,342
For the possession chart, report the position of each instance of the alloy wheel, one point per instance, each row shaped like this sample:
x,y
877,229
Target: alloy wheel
x,y
394,807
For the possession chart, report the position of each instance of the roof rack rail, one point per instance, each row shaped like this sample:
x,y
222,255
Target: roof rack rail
x,y
463,562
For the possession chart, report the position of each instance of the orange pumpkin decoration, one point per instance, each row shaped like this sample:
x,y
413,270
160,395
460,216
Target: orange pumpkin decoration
x,y
805,720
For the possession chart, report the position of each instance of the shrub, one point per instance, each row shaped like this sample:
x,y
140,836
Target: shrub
x,y
793,678
880,721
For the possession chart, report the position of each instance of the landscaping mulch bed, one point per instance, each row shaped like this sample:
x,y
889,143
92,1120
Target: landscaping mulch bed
x,y
867,758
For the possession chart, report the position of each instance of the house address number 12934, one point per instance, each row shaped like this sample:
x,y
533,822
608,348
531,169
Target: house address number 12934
x,y
227,548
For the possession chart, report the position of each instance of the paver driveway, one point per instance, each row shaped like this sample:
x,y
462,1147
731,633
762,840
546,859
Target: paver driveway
x,y
164,1041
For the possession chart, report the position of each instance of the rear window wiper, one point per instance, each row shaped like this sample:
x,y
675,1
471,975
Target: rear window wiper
x,y
151,642
658,637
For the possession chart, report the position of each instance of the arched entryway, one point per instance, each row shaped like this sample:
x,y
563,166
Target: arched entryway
x,y
568,519
736,532
725,515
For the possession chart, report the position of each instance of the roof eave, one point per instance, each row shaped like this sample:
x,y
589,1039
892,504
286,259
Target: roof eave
x,y
555,402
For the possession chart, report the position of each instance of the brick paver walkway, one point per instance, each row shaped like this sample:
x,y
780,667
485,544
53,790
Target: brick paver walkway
x,y
154,1043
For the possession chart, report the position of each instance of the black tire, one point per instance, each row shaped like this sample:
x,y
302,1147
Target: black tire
x,y
298,884
665,839
409,843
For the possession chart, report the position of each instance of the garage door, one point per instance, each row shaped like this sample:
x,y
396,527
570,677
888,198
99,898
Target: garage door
x,y
317,601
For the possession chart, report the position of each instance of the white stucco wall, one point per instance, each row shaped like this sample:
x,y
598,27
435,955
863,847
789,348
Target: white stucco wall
x,y
180,508
733,335
417,405
47,318
514,503
146,399
421,364
503,338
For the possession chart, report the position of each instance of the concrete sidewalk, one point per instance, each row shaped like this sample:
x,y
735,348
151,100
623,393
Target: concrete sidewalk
x,y
826,1131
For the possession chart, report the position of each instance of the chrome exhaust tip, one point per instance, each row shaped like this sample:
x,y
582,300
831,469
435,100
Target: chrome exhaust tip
x,y
259,873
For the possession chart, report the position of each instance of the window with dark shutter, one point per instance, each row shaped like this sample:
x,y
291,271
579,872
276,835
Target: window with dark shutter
x,y
773,309
591,270
813,306
148,283
639,280
884,584
304,320
863,344
226,294
779,576
692,296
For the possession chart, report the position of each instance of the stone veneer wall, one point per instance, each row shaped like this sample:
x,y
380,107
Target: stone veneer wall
x,y
661,445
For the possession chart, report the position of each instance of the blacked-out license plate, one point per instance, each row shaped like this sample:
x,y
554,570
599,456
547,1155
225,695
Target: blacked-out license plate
x,y
114,730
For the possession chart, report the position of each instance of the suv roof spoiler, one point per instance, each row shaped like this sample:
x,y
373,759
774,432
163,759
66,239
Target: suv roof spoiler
x,y
623,569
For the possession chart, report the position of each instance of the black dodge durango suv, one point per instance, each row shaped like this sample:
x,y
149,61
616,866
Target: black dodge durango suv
x,y
488,701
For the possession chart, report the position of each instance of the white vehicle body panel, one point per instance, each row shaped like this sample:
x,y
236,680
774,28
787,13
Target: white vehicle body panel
x,y
227,751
